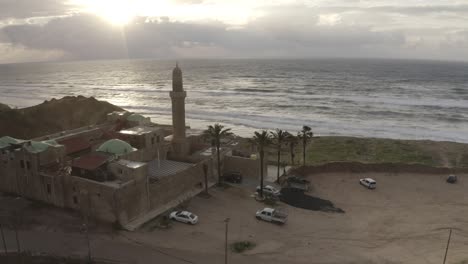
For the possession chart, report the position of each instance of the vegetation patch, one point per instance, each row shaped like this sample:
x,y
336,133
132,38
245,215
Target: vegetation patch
x,y
270,200
323,150
241,246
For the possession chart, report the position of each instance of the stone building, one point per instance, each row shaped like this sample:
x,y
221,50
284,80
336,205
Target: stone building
x,y
126,170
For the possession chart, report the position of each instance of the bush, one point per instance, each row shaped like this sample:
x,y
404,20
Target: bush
x,y
242,246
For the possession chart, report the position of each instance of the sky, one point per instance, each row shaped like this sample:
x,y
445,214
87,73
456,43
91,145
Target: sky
x,y
51,30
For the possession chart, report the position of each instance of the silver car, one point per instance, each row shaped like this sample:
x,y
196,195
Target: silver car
x,y
368,182
184,217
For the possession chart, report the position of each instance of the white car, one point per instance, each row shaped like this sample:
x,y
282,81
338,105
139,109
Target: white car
x,y
368,182
184,217
268,189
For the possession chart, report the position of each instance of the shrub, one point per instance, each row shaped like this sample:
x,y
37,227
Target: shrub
x,y
241,246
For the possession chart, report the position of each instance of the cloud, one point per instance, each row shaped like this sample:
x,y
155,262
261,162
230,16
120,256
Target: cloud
x,y
28,8
293,30
88,37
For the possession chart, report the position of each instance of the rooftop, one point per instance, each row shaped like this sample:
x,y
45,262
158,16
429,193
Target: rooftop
x,y
130,164
7,141
163,168
116,147
90,162
73,145
139,130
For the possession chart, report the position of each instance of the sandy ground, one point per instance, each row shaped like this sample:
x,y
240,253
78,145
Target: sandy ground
x,y
405,220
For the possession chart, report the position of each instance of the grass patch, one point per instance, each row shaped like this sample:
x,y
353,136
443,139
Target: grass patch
x,y
241,246
270,200
322,150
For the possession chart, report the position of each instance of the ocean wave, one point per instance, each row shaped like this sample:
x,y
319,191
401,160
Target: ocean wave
x,y
393,99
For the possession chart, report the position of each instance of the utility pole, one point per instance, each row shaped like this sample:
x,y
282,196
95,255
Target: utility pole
x,y
226,242
3,238
85,229
448,243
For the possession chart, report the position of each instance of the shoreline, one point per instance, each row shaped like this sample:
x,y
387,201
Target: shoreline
x,y
73,112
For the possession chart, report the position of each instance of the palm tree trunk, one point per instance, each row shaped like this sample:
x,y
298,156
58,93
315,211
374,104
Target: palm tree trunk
x,y
291,146
278,164
219,164
261,173
304,143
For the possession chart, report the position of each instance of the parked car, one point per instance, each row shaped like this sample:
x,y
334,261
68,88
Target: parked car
x,y
234,177
452,179
271,215
184,217
270,190
368,182
297,183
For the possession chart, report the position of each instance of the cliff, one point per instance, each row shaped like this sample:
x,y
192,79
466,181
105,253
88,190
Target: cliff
x,y
53,116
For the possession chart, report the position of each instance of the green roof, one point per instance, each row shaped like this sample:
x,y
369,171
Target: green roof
x,y
40,146
116,147
35,147
7,141
136,118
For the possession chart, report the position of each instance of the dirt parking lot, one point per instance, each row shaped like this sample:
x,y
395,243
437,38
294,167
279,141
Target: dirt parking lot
x,y
404,220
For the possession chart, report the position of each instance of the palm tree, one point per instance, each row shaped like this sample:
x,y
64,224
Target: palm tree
x,y
292,141
261,140
279,137
216,133
305,135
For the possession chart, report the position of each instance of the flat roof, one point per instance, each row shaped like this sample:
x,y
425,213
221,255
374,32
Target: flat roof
x,y
163,168
73,145
90,162
130,164
139,130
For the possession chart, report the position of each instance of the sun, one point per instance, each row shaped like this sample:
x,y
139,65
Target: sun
x,y
116,12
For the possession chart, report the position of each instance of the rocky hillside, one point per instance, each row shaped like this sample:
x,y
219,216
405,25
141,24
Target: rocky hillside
x,y
4,107
53,116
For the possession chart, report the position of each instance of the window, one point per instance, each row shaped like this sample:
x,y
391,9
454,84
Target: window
x,y
120,171
158,139
22,164
98,194
75,200
28,165
49,188
152,141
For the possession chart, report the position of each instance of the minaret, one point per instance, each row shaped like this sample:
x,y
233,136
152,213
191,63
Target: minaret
x,y
178,113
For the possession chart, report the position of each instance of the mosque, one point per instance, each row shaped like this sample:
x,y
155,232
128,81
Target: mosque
x,y
127,170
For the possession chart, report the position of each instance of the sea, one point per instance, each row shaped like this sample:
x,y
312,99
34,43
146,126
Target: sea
x,y
401,99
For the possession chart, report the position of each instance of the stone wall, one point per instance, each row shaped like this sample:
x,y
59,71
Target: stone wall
x,y
249,168
171,187
94,199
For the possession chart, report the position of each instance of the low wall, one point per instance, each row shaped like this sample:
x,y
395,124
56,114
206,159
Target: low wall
x,y
356,167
